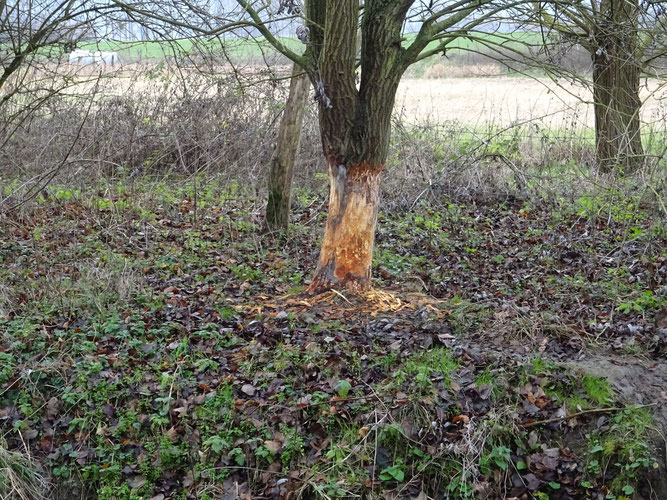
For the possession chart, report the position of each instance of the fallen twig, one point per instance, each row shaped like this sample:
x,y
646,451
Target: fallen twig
x,y
341,295
584,412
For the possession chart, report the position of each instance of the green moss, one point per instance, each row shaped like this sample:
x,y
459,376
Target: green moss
x,y
425,366
598,389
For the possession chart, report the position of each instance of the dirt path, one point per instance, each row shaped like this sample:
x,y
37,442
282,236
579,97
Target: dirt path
x,y
635,380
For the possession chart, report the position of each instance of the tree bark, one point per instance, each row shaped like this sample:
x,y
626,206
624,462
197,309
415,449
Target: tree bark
x,y
346,255
355,129
616,78
281,170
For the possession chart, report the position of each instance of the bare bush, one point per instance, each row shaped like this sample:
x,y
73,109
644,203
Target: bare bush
x,y
157,120
437,162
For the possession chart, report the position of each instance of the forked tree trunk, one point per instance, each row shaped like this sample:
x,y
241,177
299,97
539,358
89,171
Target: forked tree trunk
x,y
616,78
281,170
355,126
346,255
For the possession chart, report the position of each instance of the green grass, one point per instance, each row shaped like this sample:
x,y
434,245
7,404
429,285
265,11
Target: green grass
x,y
237,49
256,48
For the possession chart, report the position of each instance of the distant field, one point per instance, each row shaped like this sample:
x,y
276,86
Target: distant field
x,y
258,48
482,101
462,87
236,48
503,100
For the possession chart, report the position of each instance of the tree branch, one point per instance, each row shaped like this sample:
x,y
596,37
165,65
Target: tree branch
x,y
260,26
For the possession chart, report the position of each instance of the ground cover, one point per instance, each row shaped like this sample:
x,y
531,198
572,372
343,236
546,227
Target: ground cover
x,y
154,345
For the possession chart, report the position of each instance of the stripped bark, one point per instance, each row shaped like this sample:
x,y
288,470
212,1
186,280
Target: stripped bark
x,y
355,128
346,255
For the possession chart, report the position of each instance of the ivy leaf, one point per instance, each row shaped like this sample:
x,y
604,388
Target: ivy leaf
x,y
343,388
393,472
628,490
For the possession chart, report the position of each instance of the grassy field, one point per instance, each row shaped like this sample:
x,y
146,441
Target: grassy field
x,y
258,48
502,101
158,50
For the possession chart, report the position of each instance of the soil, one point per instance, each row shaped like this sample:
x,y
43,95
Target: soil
x,y
635,380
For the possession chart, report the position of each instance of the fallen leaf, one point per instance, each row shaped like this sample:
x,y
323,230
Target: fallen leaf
x,y
248,389
273,446
464,419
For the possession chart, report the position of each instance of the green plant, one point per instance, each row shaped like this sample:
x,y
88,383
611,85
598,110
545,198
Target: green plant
x,y
216,443
237,455
342,387
293,445
645,302
331,490
265,453
395,472
622,452
498,456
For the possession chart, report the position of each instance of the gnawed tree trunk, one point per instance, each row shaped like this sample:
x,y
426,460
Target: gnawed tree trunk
x,y
281,170
355,125
347,251
616,78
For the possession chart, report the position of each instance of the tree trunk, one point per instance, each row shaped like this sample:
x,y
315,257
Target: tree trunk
x,y
281,170
346,255
616,76
355,126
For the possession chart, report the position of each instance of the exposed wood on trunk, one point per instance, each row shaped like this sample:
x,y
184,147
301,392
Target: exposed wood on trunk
x,y
346,256
355,130
281,170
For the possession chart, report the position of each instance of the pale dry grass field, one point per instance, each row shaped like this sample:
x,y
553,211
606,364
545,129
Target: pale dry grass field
x,y
504,101
472,95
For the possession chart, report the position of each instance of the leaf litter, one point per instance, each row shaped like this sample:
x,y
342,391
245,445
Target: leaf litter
x,y
160,356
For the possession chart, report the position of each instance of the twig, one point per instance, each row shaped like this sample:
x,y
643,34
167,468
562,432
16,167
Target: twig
x,y
341,295
659,198
584,412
